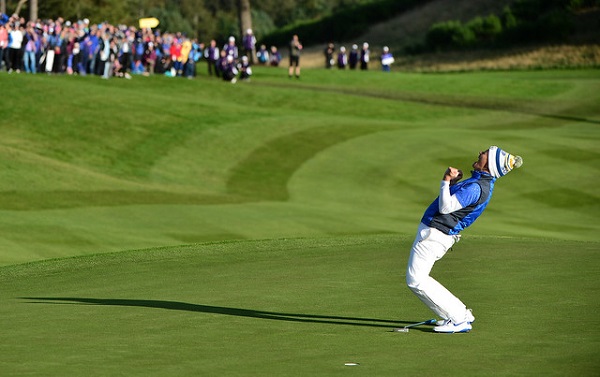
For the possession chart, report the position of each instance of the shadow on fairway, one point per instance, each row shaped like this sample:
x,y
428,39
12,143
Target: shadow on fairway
x,y
184,306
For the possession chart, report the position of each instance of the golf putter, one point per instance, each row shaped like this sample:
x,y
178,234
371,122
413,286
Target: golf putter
x,y
406,328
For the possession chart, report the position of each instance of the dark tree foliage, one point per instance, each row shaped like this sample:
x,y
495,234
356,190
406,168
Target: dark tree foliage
x,y
204,19
321,21
525,21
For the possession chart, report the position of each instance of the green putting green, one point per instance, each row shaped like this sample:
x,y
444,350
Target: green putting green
x,y
301,307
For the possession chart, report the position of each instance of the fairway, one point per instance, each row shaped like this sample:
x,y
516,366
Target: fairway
x,y
160,227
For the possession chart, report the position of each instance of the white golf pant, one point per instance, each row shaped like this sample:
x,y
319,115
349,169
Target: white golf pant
x,y
430,246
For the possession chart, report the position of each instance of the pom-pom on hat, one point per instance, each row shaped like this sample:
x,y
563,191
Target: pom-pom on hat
x,y
501,162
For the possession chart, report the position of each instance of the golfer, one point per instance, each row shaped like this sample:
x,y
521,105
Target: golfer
x,y
457,207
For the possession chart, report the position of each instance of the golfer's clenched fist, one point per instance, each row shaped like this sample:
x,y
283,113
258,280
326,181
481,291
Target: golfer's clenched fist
x,y
453,175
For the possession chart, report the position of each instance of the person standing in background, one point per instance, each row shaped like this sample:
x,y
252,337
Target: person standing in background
x,y
329,55
295,48
364,57
274,57
230,48
29,58
249,42
263,55
3,44
387,59
212,56
342,58
14,49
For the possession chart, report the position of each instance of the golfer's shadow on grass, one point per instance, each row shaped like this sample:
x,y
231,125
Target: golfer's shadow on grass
x,y
249,313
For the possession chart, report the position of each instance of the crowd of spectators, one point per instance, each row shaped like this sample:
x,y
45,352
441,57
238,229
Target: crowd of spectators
x,y
83,48
106,50
356,58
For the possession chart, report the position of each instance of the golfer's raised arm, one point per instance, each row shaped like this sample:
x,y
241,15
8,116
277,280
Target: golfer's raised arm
x,y
448,203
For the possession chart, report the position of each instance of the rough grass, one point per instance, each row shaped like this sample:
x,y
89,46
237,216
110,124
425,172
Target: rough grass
x,y
563,56
546,57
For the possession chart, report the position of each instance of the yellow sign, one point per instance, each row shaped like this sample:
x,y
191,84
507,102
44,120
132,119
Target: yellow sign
x,y
148,23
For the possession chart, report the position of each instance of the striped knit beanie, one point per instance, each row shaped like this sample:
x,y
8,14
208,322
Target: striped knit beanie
x,y
501,162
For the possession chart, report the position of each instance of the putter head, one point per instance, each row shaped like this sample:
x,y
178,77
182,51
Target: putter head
x,y
401,329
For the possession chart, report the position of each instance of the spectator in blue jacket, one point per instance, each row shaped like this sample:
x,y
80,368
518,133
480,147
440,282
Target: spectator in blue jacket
x,y
387,59
262,55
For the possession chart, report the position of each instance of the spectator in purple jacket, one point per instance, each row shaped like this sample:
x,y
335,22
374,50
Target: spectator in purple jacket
x,y
230,70
149,59
342,58
249,42
230,48
222,63
245,69
274,57
29,59
353,58
212,57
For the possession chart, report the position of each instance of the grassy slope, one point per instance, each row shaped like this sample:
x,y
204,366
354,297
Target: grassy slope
x,y
410,27
132,164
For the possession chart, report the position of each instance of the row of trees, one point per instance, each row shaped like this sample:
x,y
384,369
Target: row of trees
x,y
204,19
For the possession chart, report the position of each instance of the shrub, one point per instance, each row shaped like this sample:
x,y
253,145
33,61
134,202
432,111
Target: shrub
x,y
492,27
582,4
509,21
448,35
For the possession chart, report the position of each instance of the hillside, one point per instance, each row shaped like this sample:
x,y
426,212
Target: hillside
x,y
412,26
581,50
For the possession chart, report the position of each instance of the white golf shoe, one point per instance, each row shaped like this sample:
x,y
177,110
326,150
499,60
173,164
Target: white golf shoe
x,y
451,327
468,317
